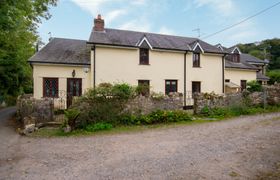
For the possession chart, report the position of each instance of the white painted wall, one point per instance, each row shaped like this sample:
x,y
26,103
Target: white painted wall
x,y
236,75
116,65
62,72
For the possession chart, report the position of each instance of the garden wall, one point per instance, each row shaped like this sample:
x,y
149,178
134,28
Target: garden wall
x,y
34,111
145,105
270,95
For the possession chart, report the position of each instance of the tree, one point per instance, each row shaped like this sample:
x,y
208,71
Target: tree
x,y
18,35
269,49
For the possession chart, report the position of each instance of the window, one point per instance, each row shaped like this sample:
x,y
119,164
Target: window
x,y
144,56
196,87
196,60
243,84
227,80
50,87
170,86
236,58
144,87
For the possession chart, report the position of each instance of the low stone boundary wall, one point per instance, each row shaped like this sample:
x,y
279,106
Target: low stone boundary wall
x,y
270,95
145,105
33,112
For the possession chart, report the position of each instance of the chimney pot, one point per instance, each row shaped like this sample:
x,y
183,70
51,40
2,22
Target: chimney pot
x,y
99,23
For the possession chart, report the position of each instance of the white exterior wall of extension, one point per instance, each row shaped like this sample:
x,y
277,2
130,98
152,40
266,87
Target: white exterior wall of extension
x,y
117,65
62,72
236,75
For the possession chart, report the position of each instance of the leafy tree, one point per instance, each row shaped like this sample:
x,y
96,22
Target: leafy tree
x,y
269,49
274,76
18,35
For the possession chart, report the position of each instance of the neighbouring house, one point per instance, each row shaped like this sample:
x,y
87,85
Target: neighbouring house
x,y
241,68
65,68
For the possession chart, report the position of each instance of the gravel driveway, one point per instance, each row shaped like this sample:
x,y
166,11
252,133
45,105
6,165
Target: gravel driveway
x,y
241,148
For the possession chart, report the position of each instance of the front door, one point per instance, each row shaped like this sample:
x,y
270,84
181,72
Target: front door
x,y
74,88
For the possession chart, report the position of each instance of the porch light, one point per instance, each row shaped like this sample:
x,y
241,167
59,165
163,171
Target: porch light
x,y
73,73
86,69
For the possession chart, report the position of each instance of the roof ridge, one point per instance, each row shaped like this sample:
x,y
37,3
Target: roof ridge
x,y
152,33
68,39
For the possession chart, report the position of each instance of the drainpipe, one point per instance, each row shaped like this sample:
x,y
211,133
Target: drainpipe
x,y
223,64
94,68
185,85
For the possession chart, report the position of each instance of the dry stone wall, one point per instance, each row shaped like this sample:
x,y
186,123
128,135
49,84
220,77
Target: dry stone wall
x,y
269,96
33,112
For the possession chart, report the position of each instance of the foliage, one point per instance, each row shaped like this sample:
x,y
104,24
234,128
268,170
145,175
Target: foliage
x,y
143,89
267,49
98,127
254,86
274,76
18,24
103,104
157,96
72,115
233,111
156,117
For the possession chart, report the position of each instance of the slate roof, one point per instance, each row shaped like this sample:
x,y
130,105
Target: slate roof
x,y
260,76
158,41
241,65
246,60
63,51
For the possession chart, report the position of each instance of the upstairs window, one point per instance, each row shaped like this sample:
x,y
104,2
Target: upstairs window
x,y
144,87
196,87
170,86
227,80
50,87
236,58
196,59
144,56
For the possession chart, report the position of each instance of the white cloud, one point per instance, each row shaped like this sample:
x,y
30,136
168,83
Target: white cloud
x,y
112,15
225,7
165,30
136,25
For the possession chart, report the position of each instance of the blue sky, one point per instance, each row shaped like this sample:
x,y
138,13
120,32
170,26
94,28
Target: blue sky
x,y
74,18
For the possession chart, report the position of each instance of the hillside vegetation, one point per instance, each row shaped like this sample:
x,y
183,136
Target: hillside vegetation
x,y
266,49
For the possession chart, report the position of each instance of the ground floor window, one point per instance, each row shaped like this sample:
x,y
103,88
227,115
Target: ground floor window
x,y
171,86
196,87
243,84
144,87
50,87
227,80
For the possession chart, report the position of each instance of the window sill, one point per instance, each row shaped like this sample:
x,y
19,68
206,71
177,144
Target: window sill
x,y
145,64
196,66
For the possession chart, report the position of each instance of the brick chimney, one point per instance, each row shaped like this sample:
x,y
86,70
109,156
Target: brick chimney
x,y
98,23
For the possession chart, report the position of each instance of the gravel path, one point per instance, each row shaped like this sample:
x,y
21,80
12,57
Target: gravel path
x,y
241,148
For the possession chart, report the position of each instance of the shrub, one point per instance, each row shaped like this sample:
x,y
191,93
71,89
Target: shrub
x,y
274,76
104,104
143,90
156,117
254,86
72,115
98,127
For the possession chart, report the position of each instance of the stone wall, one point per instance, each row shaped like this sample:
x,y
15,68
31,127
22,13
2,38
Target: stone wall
x,y
33,112
270,95
145,105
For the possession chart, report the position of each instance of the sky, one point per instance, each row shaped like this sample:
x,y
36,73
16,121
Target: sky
x,y
74,18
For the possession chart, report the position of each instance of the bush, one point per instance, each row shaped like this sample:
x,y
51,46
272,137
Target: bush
x,y
254,86
72,115
104,104
156,117
98,127
274,76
